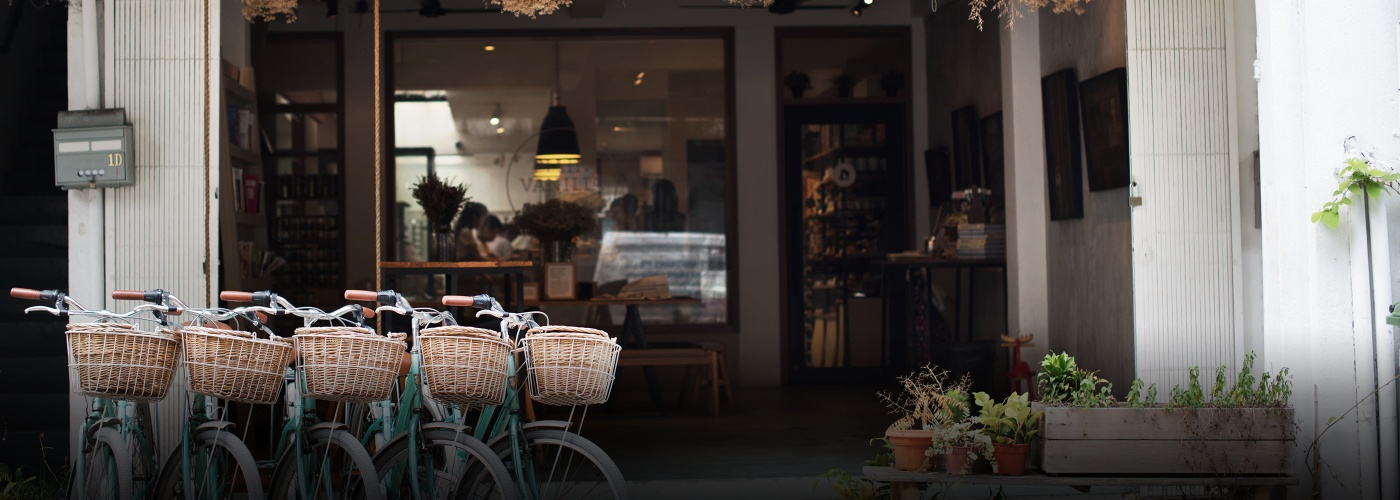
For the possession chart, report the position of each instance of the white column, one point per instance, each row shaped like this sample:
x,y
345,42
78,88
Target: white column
x,y
1027,211
1325,74
757,183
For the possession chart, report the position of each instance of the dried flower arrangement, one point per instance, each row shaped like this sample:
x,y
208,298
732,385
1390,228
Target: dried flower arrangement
x,y
556,220
930,398
267,10
1010,10
440,200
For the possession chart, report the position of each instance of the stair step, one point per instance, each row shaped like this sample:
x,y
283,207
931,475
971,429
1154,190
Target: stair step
x,y
34,210
33,375
32,339
35,241
27,448
35,272
34,412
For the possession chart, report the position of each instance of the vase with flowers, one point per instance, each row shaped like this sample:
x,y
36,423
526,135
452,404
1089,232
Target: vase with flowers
x,y
441,200
555,223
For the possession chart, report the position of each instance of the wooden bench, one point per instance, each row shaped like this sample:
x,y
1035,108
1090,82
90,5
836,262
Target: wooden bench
x,y
677,356
904,485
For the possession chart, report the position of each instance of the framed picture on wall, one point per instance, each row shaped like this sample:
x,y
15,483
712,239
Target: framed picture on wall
x,y
1104,104
559,280
967,151
994,160
940,176
1060,101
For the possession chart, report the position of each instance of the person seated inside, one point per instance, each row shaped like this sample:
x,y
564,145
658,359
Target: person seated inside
x,y
665,213
469,246
624,213
492,235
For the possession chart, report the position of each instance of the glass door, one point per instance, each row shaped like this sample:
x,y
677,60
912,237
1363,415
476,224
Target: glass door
x,y
847,188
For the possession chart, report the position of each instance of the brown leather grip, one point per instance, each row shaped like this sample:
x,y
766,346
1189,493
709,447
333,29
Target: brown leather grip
x,y
457,300
232,296
129,295
368,313
361,295
173,311
24,293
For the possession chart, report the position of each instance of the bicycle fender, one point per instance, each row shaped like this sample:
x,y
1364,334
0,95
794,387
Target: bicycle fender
x,y
329,425
216,424
91,430
464,429
546,424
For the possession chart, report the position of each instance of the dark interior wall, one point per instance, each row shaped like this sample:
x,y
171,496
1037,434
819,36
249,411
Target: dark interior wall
x,y
33,88
1090,259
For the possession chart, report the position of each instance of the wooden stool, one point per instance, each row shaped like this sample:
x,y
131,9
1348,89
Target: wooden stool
x,y
694,384
1020,370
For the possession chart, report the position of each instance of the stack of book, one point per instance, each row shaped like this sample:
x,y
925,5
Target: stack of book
x,y
981,241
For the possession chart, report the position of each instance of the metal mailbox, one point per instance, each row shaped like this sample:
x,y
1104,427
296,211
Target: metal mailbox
x,y
93,149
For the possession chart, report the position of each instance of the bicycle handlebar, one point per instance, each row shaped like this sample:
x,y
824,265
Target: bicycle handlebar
x,y
231,296
27,294
477,301
128,295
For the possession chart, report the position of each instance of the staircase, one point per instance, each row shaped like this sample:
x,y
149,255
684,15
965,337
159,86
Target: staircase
x,y
33,245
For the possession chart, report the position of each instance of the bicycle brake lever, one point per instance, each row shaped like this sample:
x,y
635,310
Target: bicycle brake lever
x,y
46,309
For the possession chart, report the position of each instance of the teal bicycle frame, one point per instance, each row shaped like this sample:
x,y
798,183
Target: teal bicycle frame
x,y
124,416
495,420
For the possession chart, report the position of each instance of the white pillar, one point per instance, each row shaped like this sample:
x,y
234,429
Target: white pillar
x,y
1027,211
1325,74
759,267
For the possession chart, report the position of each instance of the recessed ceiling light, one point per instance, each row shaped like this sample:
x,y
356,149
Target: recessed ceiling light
x,y
500,130
489,48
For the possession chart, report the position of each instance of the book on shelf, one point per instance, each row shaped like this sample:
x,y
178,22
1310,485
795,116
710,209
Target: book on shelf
x,y
981,243
252,191
237,189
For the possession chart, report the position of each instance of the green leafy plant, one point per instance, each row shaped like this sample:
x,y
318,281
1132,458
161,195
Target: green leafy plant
x,y
928,398
1008,422
851,488
1061,380
1358,176
1139,399
963,434
1248,391
556,220
797,81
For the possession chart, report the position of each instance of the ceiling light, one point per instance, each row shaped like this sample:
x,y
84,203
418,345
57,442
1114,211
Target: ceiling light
x,y
500,130
558,143
855,11
868,2
496,115
489,48
332,8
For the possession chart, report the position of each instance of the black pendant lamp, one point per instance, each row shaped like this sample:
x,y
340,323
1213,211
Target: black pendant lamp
x,y
558,144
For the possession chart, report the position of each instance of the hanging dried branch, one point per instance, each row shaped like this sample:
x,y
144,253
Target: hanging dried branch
x,y
1011,10
751,3
267,10
440,200
531,8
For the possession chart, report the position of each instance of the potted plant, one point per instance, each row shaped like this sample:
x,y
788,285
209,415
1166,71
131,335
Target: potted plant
x,y
891,82
843,83
556,223
797,82
929,399
441,201
1011,425
962,444
1244,427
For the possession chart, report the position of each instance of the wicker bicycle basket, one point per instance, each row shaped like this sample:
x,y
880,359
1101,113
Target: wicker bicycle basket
x,y
570,366
235,365
119,361
348,364
465,366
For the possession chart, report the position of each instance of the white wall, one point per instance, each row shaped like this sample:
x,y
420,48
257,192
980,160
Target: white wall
x,y
759,335
1326,73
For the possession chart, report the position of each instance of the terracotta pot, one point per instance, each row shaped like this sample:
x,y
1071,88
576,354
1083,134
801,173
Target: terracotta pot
x,y
1011,458
955,462
909,448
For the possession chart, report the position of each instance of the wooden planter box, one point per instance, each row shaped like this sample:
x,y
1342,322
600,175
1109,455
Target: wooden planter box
x,y
1204,441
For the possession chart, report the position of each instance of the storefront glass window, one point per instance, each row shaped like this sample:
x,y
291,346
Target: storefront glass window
x,y
652,118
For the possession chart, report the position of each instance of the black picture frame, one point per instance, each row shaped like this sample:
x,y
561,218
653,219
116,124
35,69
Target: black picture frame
x,y
994,159
967,151
938,171
1060,103
1104,107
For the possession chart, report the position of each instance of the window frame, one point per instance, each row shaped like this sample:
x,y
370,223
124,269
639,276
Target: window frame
x,y
726,35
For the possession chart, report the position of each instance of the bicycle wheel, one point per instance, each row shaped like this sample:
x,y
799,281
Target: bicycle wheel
x,y
450,465
565,465
337,467
108,467
221,465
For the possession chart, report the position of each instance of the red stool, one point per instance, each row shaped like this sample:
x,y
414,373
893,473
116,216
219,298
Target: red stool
x,y
1020,371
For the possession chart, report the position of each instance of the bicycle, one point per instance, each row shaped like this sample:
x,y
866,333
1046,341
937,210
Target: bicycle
x,y
318,459
120,368
211,459
423,451
547,460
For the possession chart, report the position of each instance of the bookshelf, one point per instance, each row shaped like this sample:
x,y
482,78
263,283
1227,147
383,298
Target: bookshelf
x,y
243,241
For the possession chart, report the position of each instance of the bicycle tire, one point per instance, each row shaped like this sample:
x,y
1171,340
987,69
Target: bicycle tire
x,y
115,472
171,482
366,488
489,477
536,442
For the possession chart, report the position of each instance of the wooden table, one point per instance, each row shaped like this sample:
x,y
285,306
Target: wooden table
x,y
904,485
633,335
513,271
957,265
